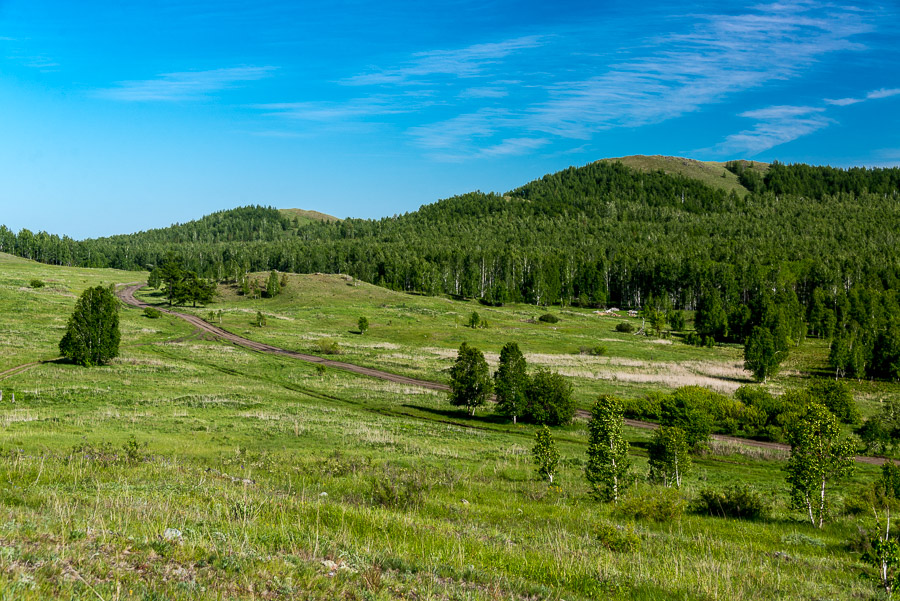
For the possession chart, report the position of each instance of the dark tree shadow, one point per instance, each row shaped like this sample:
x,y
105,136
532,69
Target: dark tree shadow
x,y
486,418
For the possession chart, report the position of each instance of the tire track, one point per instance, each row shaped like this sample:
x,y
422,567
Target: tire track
x,y
126,293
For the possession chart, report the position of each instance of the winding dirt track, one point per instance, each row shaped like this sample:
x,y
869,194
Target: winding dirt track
x,y
126,293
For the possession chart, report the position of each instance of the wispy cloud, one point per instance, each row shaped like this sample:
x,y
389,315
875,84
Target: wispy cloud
x,y
719,56
334,111
468,62
185,85
873,95
500,97
774,125
722,55
457,133
484,92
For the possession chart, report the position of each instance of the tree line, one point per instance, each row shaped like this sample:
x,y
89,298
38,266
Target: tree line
x,y
808,241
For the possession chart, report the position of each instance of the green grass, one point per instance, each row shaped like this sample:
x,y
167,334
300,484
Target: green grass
x,y
303,216
235,448
418,336
711,173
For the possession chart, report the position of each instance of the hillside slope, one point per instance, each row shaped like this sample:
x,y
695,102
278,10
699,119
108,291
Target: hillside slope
x,y
711,173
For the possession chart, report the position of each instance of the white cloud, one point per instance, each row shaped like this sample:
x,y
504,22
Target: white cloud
x,y
882,93
774,125
334,111
514,146
672,75
722,55
873,95
468,62
186,85
484,92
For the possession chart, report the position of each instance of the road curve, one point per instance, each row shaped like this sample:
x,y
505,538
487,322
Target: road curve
x,y
126,293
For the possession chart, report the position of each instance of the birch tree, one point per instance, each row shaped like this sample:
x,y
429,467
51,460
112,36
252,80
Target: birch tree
x,y
608,466
669,456
819,457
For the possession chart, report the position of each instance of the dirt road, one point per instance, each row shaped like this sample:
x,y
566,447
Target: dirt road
x,y
126,293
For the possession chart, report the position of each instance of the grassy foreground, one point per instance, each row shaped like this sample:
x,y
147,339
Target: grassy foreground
x,y
191,469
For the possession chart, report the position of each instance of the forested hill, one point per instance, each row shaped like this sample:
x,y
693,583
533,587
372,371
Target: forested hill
x,y
597,234
244,224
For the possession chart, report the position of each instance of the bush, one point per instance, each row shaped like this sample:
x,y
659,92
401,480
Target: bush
x,y
328,346
152,313
35,283
735,501
595,351
548,399
837,397
648,407
624,327
618,539
398,489
656,504
548,318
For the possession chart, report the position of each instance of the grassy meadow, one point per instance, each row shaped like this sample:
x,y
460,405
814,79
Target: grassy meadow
x,y
194,469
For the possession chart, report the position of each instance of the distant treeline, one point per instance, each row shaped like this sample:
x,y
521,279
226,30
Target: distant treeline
x,y
602,234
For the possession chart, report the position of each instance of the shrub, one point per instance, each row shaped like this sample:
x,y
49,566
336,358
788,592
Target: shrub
x,y
152,313
363,324
735,501
548,399
618,539
548,318
36,283
398,488
837,397
260,320
328,346
595,351
624,327
653,503
648,407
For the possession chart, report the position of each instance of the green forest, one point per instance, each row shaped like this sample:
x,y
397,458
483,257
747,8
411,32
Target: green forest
x,y
805,251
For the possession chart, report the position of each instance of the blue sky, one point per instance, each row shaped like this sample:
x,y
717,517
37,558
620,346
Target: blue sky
x,y
120,116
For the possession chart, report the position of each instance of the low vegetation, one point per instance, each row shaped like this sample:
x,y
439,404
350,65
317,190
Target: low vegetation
x,y
187,468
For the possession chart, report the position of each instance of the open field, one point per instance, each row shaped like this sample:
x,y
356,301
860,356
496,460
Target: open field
x,y
418,336
252,476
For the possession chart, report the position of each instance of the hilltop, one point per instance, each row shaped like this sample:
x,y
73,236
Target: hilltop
x,y
303,216
711,173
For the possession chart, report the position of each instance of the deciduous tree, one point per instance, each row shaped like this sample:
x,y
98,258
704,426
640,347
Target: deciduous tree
x,y
819,457
608,466
669,456
545,454
92,334
510,381
470,379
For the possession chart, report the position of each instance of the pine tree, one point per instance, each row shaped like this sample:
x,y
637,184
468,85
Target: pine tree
x,y
607,464
92,334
